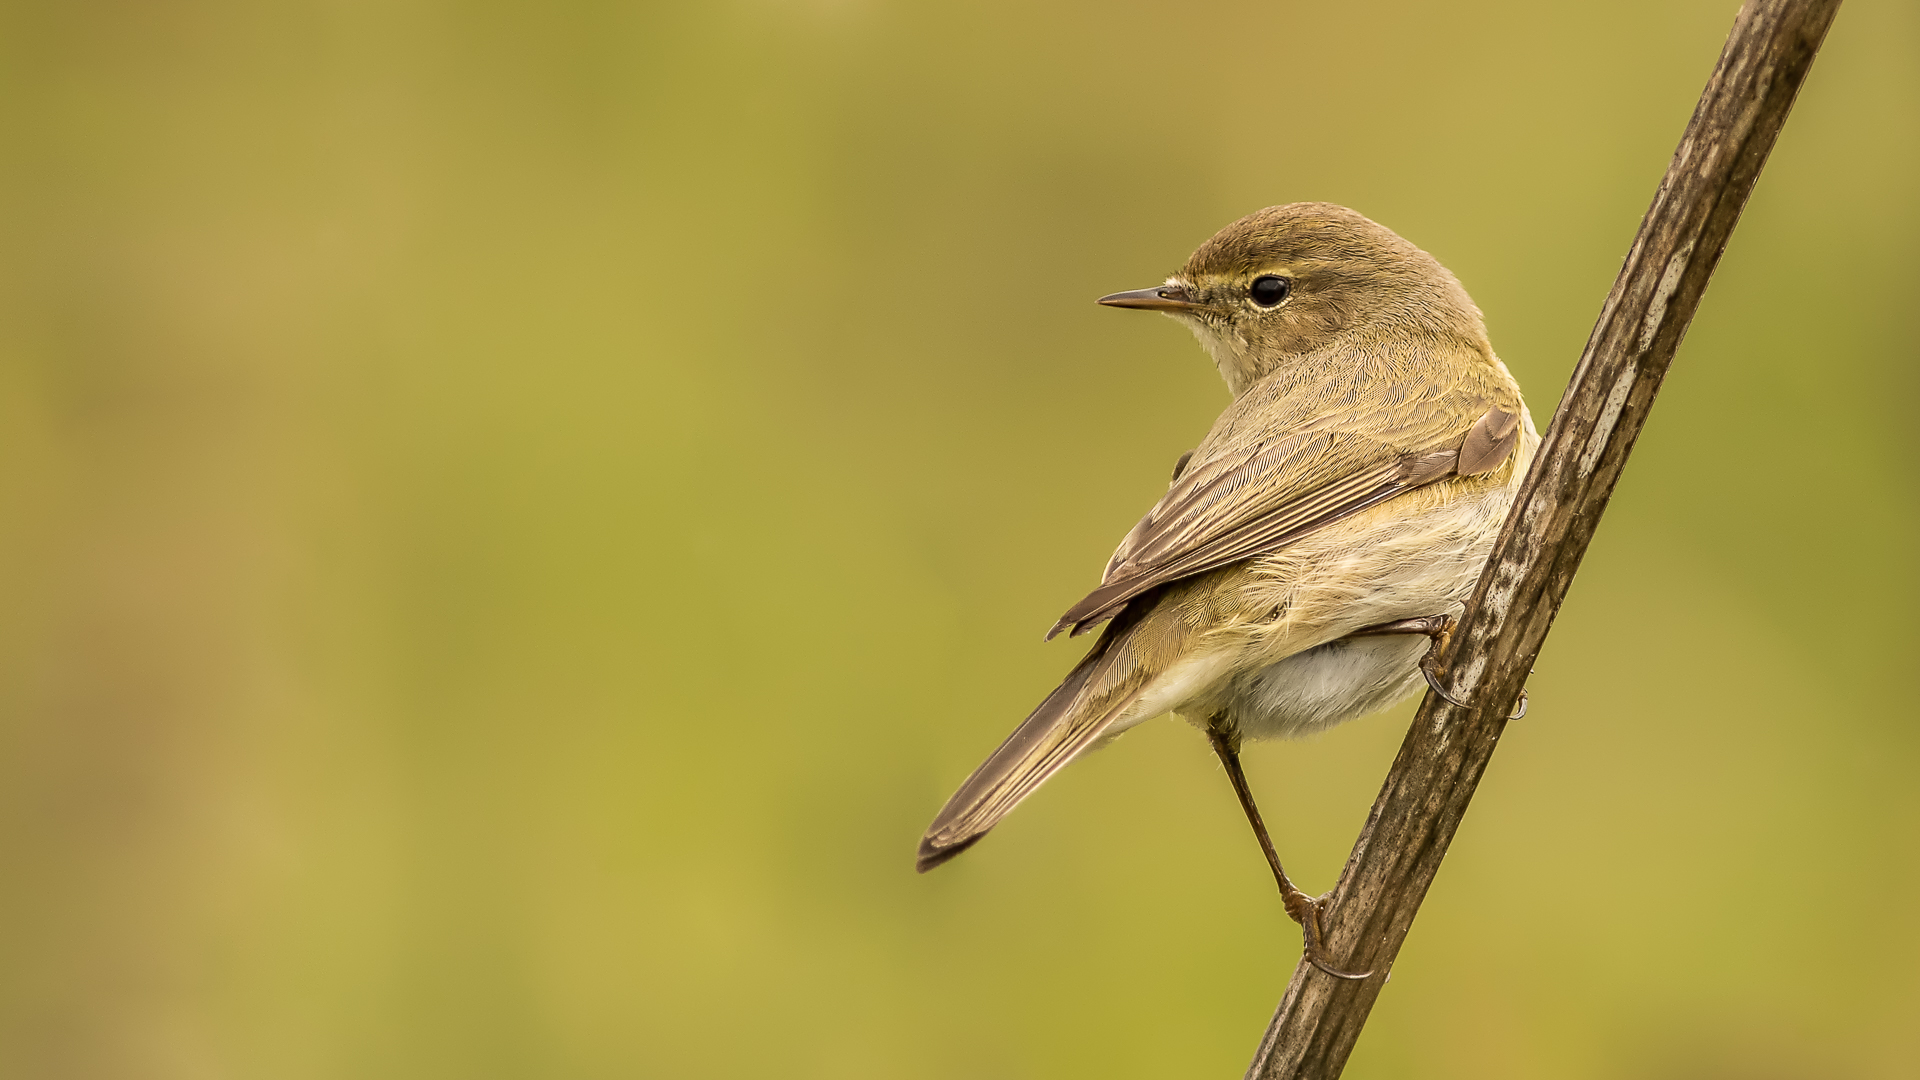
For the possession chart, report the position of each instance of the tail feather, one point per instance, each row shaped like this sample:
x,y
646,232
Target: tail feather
x,y
1072,718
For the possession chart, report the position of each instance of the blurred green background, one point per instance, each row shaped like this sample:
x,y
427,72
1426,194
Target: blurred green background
x,y
515,516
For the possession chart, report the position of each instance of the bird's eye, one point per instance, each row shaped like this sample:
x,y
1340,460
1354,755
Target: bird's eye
x,y
1269,290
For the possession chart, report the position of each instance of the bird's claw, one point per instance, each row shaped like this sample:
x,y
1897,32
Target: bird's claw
x,y
1520,708
1433,683
1438,629
1307,914
1336,972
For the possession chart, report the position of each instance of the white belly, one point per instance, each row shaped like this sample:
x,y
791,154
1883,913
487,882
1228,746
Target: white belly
x,y
1295,672
1311,691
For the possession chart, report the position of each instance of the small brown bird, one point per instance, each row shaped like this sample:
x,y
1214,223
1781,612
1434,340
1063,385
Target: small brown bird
x,y
1319,540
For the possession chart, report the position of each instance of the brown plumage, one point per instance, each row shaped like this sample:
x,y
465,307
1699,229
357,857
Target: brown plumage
x,y
1359,477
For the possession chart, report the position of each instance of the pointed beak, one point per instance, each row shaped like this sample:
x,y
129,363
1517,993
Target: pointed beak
x,y
1163,298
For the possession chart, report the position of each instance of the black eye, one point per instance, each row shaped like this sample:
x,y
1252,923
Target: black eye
x,y
1269,290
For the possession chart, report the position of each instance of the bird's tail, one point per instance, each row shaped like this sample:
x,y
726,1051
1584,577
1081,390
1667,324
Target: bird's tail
x,y
1096,693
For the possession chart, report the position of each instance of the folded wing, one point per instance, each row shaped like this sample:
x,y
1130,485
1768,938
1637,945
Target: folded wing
x,y
1230,505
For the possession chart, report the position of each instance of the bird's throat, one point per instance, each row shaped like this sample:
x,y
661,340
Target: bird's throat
x,y
1231,353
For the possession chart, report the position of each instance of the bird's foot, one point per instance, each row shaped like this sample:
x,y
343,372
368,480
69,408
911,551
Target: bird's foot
x,y
1306,910
1439,632
1437,629
1433,680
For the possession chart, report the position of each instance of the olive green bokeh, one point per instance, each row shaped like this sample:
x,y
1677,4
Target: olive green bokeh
x,y
513,516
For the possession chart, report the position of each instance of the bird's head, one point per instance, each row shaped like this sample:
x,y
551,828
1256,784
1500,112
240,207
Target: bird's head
x,y
1290,280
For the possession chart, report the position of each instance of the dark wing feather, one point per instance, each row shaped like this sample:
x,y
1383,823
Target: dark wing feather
x,y
1263,533
1070,720
1252,501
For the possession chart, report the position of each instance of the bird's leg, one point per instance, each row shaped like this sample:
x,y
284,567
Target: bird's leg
x,y
1301,908
1437,629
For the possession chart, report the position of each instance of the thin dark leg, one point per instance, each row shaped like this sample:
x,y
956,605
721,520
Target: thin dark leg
x,y
1437,629
1433,626
1301,908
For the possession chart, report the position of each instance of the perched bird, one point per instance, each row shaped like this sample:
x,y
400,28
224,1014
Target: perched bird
x,y
1321,539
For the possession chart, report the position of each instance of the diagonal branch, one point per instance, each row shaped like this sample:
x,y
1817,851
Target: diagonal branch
x,y
1446,750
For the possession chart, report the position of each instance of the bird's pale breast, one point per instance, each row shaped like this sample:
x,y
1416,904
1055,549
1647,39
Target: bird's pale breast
x,y
1277,661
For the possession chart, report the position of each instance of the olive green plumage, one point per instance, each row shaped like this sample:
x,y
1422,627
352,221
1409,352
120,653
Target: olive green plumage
x,y
1359,477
